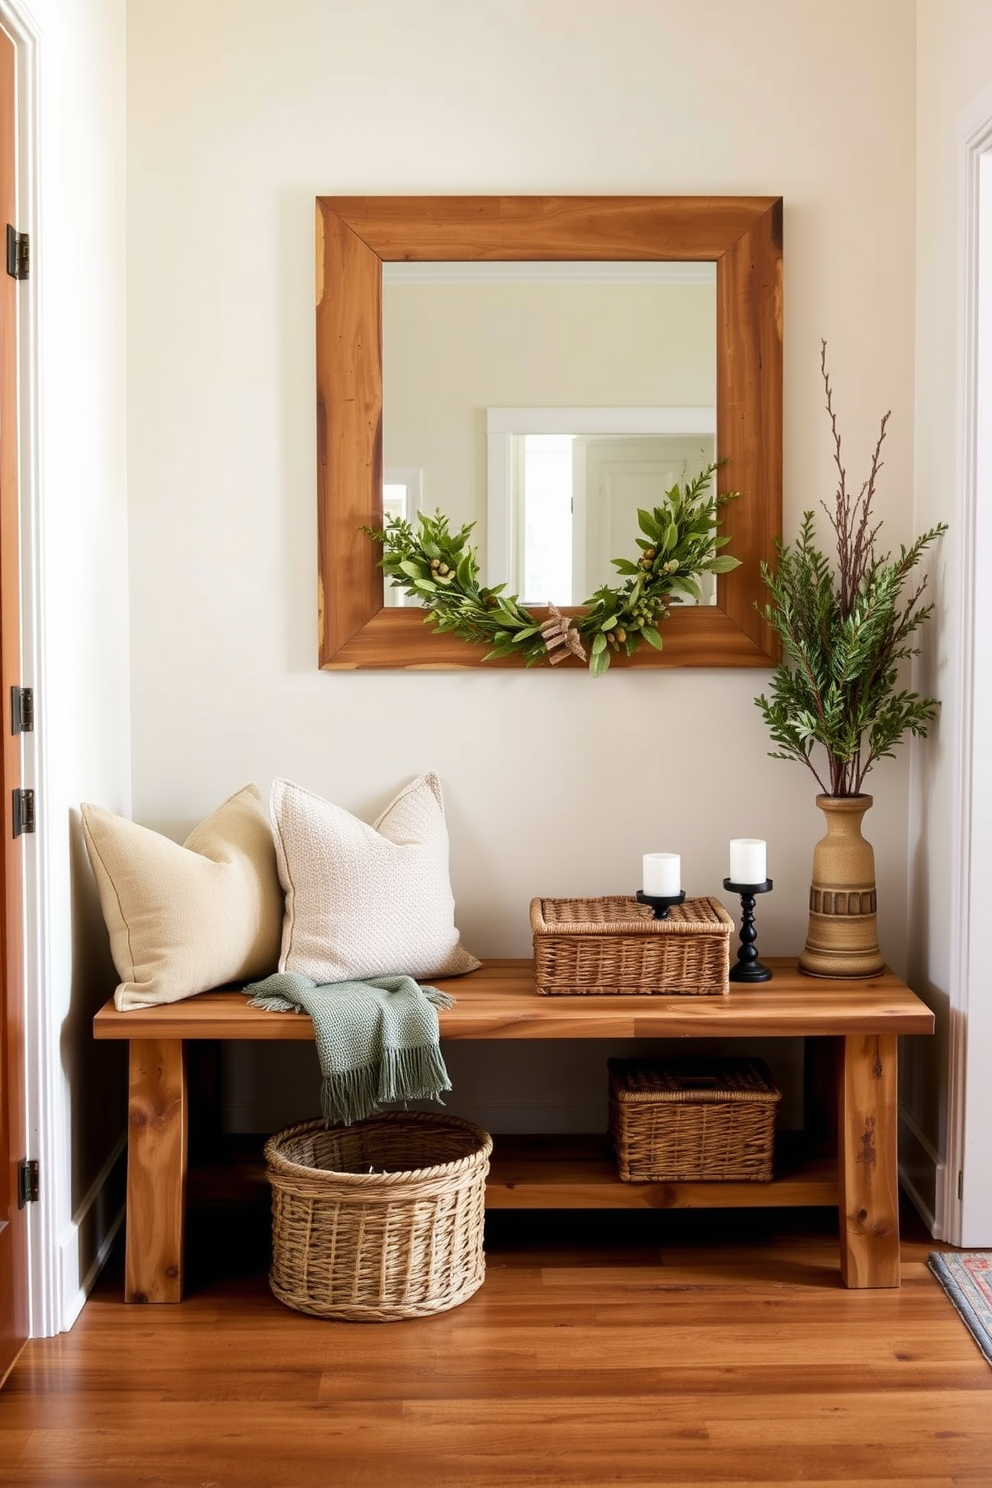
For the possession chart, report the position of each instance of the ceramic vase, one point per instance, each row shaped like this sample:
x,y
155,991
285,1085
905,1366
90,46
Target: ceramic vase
x,y
842,940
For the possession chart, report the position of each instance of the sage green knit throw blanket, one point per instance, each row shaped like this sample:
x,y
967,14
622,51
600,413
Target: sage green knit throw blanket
x,y
377,1040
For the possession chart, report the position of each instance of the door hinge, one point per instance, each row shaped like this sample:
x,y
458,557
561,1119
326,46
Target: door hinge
x,y
18,253
23,811
960,1183
28,1182
21,710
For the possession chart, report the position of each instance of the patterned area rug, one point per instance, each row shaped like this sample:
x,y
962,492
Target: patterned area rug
x,y
966,1277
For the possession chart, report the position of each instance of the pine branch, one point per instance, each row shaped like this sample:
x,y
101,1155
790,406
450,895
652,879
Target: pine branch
x,y
845,631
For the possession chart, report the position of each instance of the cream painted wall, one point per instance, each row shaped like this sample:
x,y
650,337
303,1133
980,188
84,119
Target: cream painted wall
x,y
238,115
71,82
954,69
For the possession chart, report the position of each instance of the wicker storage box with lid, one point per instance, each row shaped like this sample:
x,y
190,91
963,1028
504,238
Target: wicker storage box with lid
x,y
686,1119
615,946
381,1220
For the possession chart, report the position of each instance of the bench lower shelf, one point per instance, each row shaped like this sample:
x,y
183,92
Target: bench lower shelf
x,y
580,1173
567,1172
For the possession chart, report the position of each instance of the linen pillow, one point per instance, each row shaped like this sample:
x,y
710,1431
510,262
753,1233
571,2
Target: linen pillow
x,y
186,918
364,901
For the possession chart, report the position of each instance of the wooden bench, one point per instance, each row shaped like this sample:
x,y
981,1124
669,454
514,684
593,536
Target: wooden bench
x,y
853,1027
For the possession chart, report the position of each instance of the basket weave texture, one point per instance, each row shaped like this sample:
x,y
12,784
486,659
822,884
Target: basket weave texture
x,y
692,1119
614,946
381,1220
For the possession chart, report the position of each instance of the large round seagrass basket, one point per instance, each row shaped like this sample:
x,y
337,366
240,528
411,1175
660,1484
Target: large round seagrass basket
x,y
380,1220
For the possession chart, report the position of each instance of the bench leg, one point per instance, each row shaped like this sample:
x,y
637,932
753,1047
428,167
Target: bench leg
x,y
867,1161
156,1171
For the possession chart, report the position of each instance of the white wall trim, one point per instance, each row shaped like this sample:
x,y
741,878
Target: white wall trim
x,y
968,948
75,1288
909,1124
45,1120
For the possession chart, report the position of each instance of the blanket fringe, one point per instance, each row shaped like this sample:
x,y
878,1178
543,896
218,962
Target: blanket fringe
x,y
271,1003
439,999
349,1096
404,1074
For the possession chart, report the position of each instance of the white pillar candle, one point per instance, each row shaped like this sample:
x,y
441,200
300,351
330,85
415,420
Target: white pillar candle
x,y
662,875
747,861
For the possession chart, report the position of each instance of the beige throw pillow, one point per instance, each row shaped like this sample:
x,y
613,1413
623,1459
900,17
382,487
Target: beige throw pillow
x,y
366,901
186,918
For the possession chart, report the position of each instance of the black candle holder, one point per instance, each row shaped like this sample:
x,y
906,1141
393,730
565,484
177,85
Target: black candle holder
x,y
660,903
748,968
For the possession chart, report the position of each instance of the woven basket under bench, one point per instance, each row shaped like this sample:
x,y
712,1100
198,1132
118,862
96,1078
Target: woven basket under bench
x,y
685,1120
615,946
381,1220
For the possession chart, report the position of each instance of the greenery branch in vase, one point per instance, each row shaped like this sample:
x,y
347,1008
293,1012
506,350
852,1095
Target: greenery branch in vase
x,y
836,701
679,543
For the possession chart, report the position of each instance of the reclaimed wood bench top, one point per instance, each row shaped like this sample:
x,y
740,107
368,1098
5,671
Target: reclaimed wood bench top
x,y
499,1001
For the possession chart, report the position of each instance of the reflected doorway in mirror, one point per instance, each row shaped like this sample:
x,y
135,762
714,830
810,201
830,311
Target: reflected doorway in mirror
x,y
565,486
402,498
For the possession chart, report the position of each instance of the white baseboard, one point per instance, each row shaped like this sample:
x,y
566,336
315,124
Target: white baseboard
x,y
86,1241
924,1209
921,1172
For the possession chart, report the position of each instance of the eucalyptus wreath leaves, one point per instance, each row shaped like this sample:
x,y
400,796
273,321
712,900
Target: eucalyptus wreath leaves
x,y
845,627
680,542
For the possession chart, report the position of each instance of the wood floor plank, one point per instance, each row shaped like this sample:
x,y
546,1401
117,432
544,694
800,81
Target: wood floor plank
x,y
777,1381
652,1481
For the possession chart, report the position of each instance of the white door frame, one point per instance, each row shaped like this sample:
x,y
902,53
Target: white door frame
x,y
965,1216
45,1122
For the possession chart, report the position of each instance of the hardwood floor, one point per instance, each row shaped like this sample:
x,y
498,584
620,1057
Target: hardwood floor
x,y
621,1348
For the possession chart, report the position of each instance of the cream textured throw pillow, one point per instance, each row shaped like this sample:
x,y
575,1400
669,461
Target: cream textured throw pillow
x,y
366,901
184,919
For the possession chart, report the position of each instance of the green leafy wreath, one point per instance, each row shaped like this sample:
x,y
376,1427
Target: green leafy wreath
x,y
680,543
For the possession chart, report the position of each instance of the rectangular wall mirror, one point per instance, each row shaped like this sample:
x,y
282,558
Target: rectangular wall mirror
x,y
612,334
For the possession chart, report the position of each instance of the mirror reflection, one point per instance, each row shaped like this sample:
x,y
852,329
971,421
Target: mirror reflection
x,y
545,402
565,486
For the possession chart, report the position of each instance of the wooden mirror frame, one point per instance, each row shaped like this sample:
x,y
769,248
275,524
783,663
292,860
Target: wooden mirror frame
x,y
356,234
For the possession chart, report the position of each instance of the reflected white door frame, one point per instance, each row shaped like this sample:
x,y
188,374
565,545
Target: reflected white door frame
x,y
402,497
